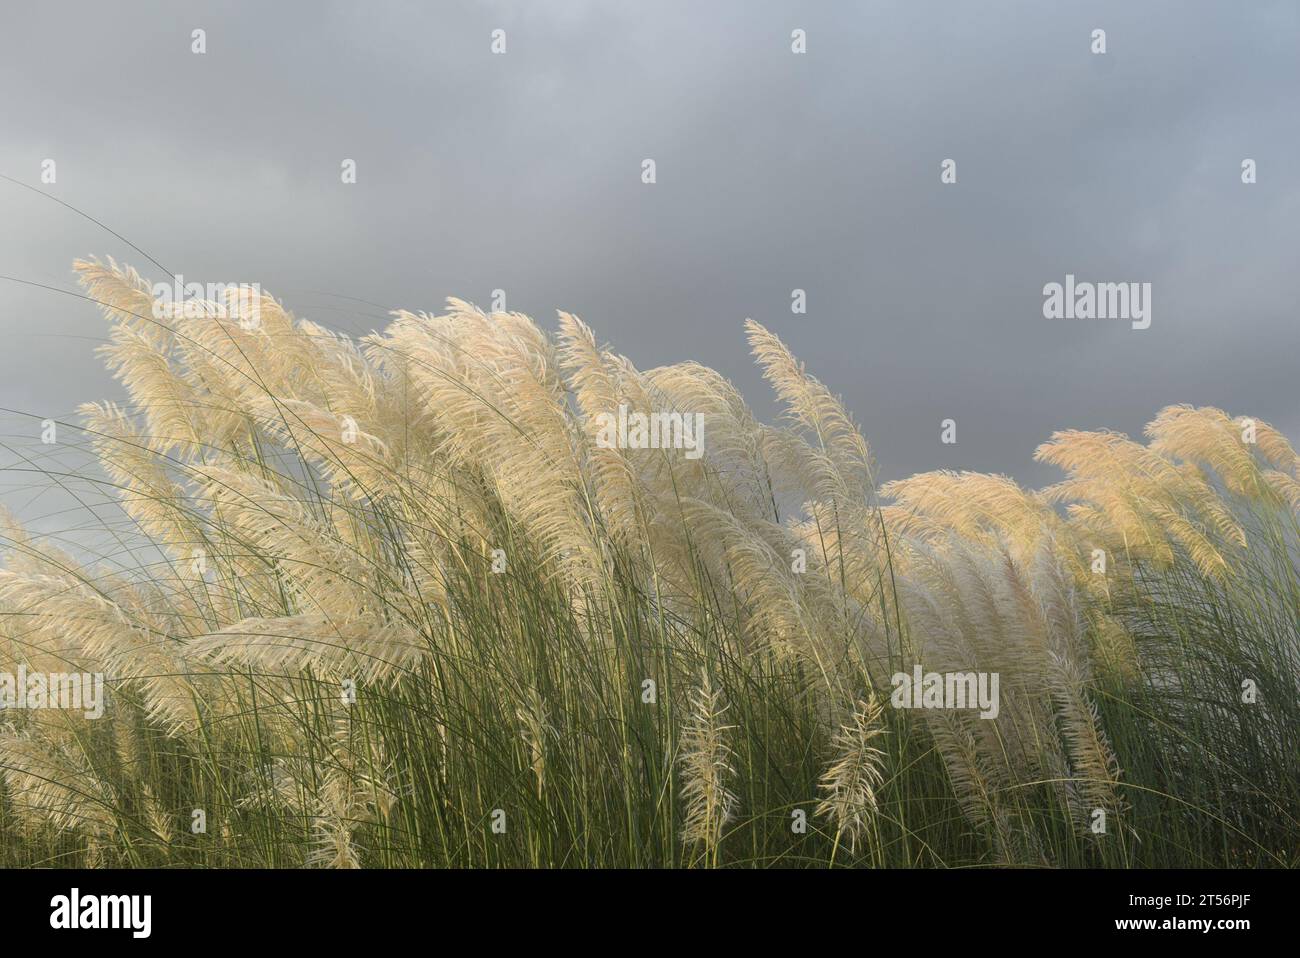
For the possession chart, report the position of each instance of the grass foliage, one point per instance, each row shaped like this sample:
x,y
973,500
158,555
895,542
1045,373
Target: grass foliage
x,y
566,655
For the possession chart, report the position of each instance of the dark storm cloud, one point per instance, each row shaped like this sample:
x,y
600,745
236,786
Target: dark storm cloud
x,y
775,171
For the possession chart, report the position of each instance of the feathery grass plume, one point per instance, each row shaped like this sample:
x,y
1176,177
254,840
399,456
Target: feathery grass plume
x,y
297,554
705,769
55,783
153,352
1055,610
810,405
731,472
150,494
1207,435
1145,504
974,783
350,457
990,509
143,335
851,781
67,623
759,576
364,648
1285,487
596,391
351,793
532,719
491,387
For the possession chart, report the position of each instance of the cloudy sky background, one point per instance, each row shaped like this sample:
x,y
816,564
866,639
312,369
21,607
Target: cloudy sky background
x,y
775,171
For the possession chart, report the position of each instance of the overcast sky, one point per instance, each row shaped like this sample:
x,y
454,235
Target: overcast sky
x,y
775,171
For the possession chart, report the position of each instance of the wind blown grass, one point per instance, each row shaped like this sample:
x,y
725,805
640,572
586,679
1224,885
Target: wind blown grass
x,y
387,603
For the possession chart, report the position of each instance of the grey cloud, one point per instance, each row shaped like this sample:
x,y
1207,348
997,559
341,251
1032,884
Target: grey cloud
x,y
775,172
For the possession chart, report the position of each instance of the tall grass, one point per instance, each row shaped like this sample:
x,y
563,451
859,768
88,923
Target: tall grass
x,y
388,603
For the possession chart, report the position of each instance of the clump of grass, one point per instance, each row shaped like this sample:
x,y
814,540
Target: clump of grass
x,y
389,603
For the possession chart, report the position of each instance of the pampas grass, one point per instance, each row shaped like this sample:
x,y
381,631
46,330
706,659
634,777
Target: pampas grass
x,y
389,603
850,783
